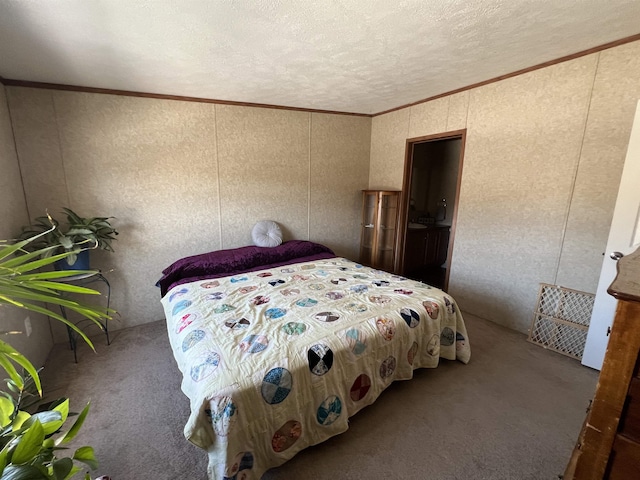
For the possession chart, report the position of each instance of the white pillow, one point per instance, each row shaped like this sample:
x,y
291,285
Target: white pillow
x,y
266,234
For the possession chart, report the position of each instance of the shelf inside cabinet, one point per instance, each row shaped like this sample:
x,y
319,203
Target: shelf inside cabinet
x,y
379,228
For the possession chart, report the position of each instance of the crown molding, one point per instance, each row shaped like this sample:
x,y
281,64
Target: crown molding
x,y
566,58
129,93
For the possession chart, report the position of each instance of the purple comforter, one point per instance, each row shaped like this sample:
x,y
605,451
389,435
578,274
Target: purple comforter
x,y
222,263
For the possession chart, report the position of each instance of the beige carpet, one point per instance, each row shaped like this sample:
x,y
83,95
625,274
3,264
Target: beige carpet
x,y
514,412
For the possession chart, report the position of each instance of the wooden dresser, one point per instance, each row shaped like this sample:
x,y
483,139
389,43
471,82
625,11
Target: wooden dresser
x,y
609,443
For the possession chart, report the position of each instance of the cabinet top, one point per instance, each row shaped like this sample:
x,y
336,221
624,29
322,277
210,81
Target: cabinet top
x,y
426,227
381,191
626,285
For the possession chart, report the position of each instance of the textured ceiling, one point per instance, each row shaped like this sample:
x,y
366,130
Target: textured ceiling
x,y
363,56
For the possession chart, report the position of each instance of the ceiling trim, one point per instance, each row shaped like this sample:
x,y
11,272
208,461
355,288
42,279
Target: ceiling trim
x,y
128,93
566,58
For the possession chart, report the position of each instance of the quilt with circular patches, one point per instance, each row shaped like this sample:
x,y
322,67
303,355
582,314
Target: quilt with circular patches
x,y
276,360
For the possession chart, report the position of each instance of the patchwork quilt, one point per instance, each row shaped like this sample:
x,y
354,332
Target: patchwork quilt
x,y
276,360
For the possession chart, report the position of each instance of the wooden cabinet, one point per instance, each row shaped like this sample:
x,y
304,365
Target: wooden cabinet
x,y
609,443
379,228
414,250
425,248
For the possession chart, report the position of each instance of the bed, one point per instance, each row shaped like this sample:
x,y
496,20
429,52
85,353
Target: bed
x,y
279,346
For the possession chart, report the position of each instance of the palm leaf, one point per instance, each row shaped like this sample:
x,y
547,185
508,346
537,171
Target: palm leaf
x,y
71,325
22,259
24,285
54,275
8,352
50,286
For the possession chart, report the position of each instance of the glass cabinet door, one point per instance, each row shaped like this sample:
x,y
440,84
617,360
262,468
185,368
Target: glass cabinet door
x,y
367,236
379,222
388,212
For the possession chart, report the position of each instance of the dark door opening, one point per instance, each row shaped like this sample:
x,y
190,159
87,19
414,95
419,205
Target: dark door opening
x,y
433,169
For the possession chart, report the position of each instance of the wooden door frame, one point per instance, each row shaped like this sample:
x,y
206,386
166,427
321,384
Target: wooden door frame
x,y
406,195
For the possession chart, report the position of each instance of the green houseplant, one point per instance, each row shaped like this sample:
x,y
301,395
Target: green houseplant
x,y
77,233
29,443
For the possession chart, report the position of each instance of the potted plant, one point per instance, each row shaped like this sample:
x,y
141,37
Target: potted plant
x,y
76,237
29,443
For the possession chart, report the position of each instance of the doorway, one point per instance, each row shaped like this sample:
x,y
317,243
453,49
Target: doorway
x,y
433,169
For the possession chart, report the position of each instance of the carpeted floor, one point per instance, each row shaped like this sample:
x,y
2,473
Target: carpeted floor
x,y
514,412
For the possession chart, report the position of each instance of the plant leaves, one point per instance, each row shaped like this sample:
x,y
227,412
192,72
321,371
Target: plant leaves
x,y
67,244
10,369
14,296
6,410
63,408
43,262
10,352
21,417
8,250
86,456
11,385
62,468
81,231
50,420
73,431
71,259
29,444
22,259
53,419
57,274
71,325
22,472
75,470
63,287
4,453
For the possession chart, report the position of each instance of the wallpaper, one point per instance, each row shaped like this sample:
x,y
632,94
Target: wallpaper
x,y
183,178
616,90
542,163
13,212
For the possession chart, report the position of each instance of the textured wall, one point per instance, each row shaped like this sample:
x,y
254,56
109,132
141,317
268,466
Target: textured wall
x,y
13,214
263,157
183,178
542,165
338,162
616,90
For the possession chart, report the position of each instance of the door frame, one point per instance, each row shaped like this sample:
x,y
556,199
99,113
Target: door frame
x,y
406,195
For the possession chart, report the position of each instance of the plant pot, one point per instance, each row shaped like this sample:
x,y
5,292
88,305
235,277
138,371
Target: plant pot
x,y
81,263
